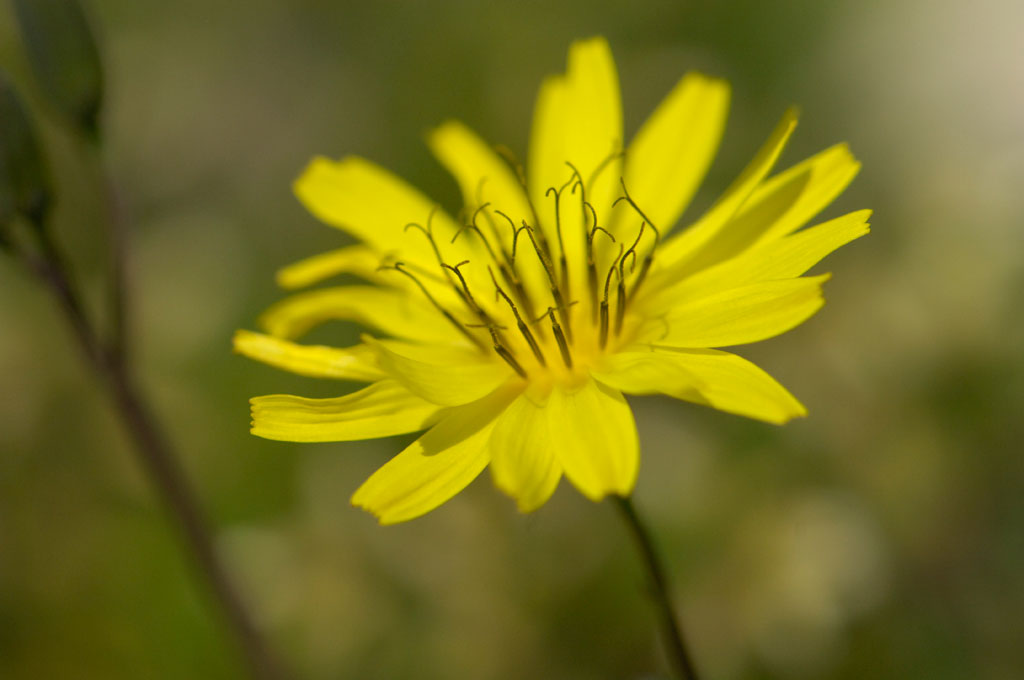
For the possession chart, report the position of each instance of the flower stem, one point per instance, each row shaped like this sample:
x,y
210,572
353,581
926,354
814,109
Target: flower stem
x,y
676,647
155,454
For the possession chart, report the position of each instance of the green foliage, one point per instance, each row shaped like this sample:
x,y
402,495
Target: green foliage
x,y
64,57
24,181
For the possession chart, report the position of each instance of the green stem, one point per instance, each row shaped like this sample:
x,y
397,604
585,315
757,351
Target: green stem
x,y
156,456
673,635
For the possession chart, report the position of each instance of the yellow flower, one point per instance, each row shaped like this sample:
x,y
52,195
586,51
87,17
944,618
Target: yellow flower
x,y
510,332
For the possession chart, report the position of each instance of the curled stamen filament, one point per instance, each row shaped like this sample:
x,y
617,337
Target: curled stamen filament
x,y
562,259
604,302
524,330
563,346
503,352
556,292
400,266
649,258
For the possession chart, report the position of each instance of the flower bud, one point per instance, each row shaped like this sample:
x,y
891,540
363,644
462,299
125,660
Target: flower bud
x,y
24,182
64,57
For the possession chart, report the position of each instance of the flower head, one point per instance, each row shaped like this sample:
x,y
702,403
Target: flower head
x,y
511,331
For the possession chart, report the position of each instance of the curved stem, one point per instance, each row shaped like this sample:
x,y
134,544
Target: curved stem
x,y
156,456
117,263
673,636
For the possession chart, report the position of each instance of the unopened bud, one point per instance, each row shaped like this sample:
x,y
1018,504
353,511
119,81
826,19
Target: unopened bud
x,y
24,183
64,57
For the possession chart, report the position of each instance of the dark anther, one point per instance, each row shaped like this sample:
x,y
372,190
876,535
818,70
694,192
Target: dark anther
x,y
591,265
604,302
466,295
509,272
400,267
563,347
620,303
485,319
520,324
556,293
503,352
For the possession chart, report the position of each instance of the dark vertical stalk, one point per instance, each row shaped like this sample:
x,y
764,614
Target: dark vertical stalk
x,y
673,635
156,456
117,262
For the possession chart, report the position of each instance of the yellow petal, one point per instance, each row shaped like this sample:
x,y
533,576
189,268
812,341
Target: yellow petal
x,y
645,372
382,409
740,315
547,154
316,361
484,177
718,379
391,311
359,260
523,463
578,120
671,153
779,206
437,465
370,203
782,258
593,119
821,177
442,374
686,244
548,158
481,174
594,438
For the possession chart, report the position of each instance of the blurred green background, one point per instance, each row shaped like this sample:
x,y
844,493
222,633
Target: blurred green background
x,y
883,537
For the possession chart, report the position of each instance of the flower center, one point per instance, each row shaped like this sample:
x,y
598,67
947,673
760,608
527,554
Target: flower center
x,y
546,304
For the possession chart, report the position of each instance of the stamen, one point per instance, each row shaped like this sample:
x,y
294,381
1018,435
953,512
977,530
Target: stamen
x,y
604,303
591,264
511,159
563,347
400,266
508,267
473,227
502,352
556,293
615,153
629,199
490,220
649,258
562,261
467,296
645,267
632,248
520,324
620,301
428,231
515,235
579,181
